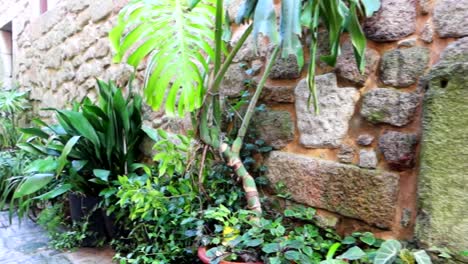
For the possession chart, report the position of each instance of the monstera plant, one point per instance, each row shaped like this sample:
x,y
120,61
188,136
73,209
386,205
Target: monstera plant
x,y
183,44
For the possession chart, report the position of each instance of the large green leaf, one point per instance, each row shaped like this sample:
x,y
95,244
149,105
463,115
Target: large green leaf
x,y
55,192
291,30
33,183
178,42
35,132
62,160
79,123
265,21
387,252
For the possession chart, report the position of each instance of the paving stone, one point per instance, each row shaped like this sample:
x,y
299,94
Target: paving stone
x,y
395,20
369,195
28,244
329,127
451,18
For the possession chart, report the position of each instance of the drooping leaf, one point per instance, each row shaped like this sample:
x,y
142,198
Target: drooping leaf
x,y
265,21
387,252
33,183
79,122
35,132
55,192
246,11
290,28
62,160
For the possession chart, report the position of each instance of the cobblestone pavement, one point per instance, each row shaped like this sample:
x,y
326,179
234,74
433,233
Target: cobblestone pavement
x,y
27,244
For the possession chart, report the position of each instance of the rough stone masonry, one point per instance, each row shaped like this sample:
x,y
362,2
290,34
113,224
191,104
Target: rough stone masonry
x,y
358,159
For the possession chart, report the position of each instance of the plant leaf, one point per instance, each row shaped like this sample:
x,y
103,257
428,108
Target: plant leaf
x,y
33,183
422,257
353,253
102,174
55,192
387,252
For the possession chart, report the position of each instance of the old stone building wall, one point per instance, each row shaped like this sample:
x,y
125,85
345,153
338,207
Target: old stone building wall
x,y
358,160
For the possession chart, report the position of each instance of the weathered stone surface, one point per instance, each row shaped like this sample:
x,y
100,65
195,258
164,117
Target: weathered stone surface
x,y
346,154
232,7
427,34
285,68
100,9
276,128
395,20
250,51
408,43
278,93
403,67
451,18
234,80
328,128
368,195
443,203
367,159
426,6
346,65
385,105
77,6
365,139
399,149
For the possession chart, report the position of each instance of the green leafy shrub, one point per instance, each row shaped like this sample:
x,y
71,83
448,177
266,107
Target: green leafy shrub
x,y
63,234
92,144
12,105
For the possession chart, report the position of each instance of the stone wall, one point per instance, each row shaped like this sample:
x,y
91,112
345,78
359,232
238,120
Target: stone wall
x,y
358,160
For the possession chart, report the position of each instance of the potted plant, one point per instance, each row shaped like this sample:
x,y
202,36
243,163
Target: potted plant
x,y
84,153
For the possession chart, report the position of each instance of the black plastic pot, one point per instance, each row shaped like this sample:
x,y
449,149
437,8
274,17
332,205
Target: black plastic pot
x,y
84,208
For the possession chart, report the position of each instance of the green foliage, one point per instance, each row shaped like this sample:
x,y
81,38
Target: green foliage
x,y
182,41
92,144
236,236
12,105
63,236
